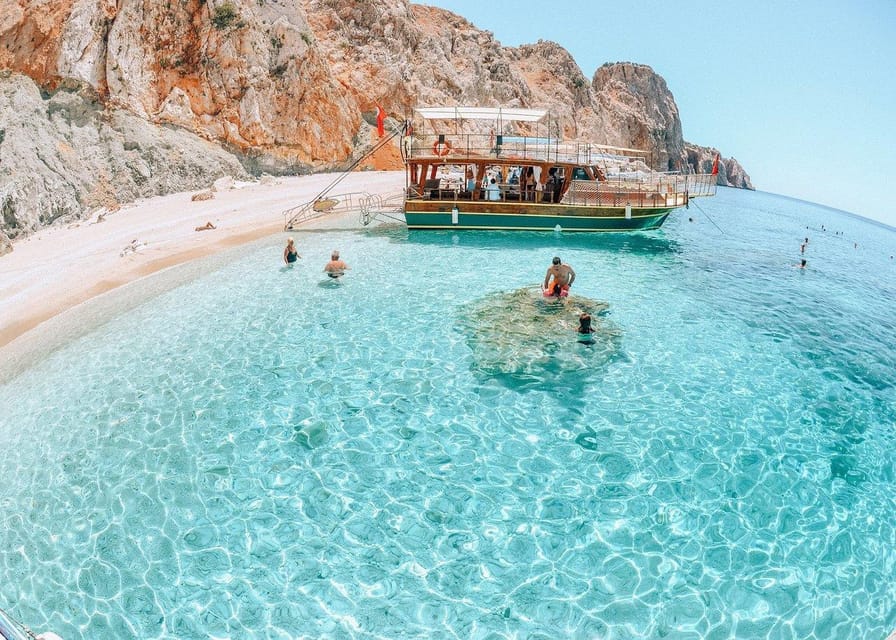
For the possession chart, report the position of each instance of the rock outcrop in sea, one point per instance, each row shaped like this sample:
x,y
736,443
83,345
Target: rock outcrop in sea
x,y
104,101
539,348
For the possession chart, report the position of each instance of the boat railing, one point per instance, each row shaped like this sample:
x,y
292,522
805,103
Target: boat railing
x,y
376,206
442,148
619,193
646,190
701,184
338,203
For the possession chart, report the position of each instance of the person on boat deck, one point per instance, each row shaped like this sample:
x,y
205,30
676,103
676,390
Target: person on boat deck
x,y
585,329
290,255
471,181
493,191
514,182
558,279
336,267
529,183
555,180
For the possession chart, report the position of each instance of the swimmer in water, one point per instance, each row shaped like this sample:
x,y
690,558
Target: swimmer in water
x,y
585,332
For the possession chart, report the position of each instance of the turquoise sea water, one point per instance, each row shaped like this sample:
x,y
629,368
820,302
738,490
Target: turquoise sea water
x,y
262,454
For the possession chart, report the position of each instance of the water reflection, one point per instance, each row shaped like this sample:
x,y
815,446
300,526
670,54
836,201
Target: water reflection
x,y
634,243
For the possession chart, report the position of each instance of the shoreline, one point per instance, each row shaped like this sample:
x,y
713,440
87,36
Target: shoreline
x,y
61,267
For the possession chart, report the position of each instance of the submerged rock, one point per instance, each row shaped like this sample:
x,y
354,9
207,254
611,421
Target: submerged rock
x,y
522,337
312,436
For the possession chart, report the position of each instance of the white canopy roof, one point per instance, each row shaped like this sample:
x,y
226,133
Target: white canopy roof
x,y
481,113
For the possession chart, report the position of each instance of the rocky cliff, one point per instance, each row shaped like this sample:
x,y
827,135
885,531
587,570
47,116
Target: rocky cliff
x,y
127,98
731,174
67,153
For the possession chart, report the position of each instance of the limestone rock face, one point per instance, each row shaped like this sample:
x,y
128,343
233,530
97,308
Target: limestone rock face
x,y
5,244
283,86
731,174
638,110
241,72
64,155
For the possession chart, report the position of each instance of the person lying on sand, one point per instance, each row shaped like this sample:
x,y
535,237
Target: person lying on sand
x,y
207,225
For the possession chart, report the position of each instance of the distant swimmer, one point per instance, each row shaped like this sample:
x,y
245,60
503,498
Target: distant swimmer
x,y
802,264
803,248
558,279
585,332
208,225
290,255
336,267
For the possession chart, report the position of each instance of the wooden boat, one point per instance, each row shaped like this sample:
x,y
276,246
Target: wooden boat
x,y
497,168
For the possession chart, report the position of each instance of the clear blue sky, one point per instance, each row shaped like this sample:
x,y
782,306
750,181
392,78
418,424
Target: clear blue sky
x,y
802,94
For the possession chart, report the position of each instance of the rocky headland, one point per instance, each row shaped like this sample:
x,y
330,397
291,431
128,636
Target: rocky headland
x,y
106,101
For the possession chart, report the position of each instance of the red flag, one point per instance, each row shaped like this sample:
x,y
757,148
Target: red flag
x,y
715,165
380,118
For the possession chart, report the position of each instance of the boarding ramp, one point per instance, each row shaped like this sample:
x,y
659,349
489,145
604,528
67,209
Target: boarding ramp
x,y
369,207
349,202
325,203
377,207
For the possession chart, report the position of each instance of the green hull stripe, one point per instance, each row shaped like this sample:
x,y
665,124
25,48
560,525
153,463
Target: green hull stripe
x,y
492,227
652,213
442,220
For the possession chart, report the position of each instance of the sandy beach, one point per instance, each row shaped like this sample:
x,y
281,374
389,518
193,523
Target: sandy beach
x,y
63,266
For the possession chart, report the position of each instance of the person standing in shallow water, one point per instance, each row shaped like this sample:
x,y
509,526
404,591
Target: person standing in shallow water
x,y
558,279
335,267
290,255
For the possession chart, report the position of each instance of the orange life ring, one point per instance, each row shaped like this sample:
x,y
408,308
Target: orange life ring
x,y
441,148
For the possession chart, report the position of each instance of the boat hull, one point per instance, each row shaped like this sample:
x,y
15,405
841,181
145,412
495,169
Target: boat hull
x,y
541,217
